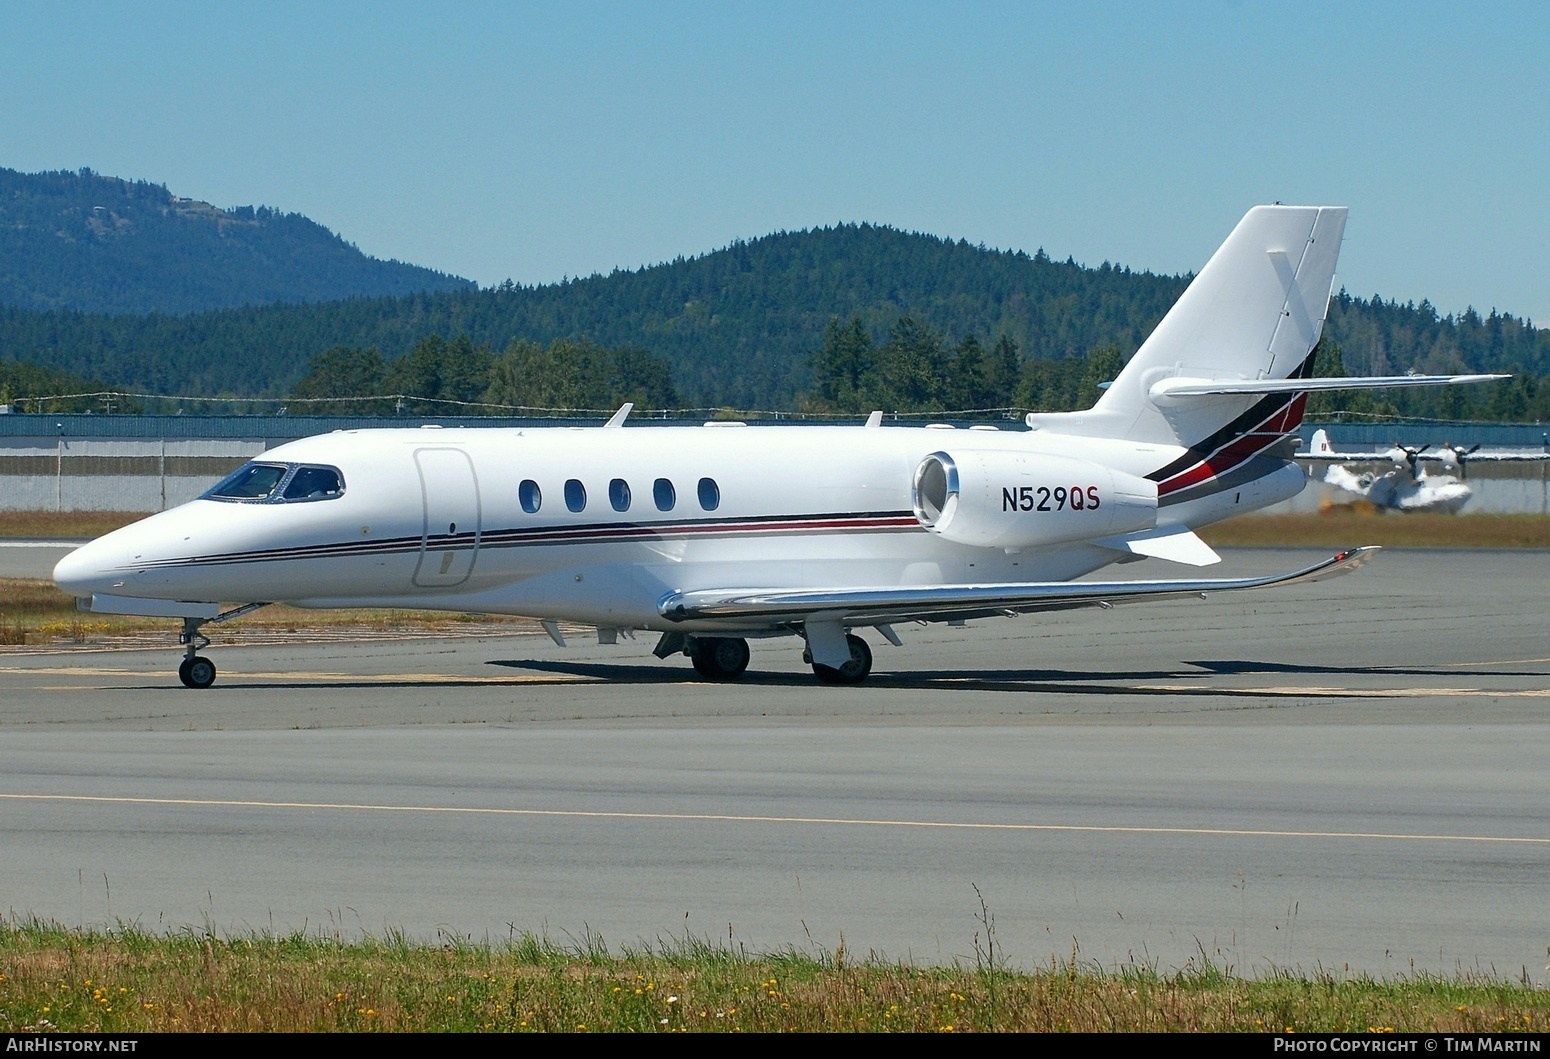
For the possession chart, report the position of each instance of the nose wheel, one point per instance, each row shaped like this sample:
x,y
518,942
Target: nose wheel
x,y
197,672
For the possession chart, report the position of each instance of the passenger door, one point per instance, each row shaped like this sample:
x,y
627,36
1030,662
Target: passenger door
x,y
449,544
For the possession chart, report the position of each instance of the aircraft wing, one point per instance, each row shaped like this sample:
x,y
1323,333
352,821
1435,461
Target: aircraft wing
x,y
875,606
1425,457
1498,457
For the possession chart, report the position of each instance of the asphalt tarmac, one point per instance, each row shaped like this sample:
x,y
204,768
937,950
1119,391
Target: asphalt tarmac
x,y
34,558
1346,776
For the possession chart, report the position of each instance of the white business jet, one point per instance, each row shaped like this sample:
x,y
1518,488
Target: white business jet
x,y
711,536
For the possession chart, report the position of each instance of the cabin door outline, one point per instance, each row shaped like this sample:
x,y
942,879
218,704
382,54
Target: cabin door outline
x,y
449,539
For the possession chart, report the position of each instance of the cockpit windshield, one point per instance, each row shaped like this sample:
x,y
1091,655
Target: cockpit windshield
x,y
278,483
313,483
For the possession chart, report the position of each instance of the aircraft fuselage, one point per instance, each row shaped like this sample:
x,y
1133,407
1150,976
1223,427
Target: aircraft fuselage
x,y
439,519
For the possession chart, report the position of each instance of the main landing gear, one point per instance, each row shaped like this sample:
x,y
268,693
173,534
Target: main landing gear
x,y
853,671
725,658
719,657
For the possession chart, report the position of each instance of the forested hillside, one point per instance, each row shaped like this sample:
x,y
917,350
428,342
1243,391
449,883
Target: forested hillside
x,y
744,326
100,244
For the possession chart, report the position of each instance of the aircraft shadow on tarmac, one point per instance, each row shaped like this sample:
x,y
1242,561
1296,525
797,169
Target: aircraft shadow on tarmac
x,y
1106,682
1191,678
946,680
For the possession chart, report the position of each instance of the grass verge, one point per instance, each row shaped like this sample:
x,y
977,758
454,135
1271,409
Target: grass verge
x,y
63,524
1345,526
1334,527
35,612
128,980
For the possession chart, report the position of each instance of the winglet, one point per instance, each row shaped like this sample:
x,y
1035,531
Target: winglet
x,y
618,418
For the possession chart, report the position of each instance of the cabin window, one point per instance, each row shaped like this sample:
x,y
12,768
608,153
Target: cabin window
x,y
663,493
575,495
254,481
619,494
710,494
314,483
530,496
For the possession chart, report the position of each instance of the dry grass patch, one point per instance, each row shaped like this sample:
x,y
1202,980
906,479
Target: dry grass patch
x,y
37,613
1343,527
1335,527
60,524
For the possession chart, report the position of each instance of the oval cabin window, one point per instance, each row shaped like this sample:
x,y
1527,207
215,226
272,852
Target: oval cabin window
x,y
663,493
619,494
530,496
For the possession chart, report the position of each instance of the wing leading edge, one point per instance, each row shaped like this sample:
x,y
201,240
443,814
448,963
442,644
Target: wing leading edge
x,y
873,606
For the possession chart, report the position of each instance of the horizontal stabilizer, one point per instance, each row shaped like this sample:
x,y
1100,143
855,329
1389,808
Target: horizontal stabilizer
x,y
1174,543
1169,390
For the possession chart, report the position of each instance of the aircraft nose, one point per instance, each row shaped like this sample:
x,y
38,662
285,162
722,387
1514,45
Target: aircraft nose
x,y
86,570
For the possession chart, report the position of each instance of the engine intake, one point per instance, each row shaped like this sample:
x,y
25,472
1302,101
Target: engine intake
x,y
997,499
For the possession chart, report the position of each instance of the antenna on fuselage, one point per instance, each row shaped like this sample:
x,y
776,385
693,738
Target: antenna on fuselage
x,y
618,418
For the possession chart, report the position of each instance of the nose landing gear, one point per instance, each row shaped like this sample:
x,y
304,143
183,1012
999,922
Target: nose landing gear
x,y
197,671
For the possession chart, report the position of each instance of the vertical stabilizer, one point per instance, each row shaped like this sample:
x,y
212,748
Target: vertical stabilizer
x,y
1254,312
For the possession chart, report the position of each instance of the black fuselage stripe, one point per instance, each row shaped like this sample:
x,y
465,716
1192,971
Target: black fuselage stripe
x,y
593,533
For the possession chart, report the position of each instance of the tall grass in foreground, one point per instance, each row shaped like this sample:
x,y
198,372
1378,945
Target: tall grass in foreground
x,y
128,980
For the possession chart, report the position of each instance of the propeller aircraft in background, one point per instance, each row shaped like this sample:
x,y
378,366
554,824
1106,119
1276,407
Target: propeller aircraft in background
x,y
1399,482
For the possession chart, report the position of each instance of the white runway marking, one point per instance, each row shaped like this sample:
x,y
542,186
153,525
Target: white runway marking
x,y
1365,693
734,818
1508,662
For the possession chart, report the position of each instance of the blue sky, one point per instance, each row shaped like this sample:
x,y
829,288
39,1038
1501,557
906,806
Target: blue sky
x,y
536,141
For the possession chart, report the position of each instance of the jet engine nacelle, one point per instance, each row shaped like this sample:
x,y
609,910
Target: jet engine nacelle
x,y
1024,499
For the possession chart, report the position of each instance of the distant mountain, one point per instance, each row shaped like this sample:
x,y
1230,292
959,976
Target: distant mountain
x,y
739,325
104,245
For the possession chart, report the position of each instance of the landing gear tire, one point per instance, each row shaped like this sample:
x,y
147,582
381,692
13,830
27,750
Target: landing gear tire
x,y
197,672
853,671
719,657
